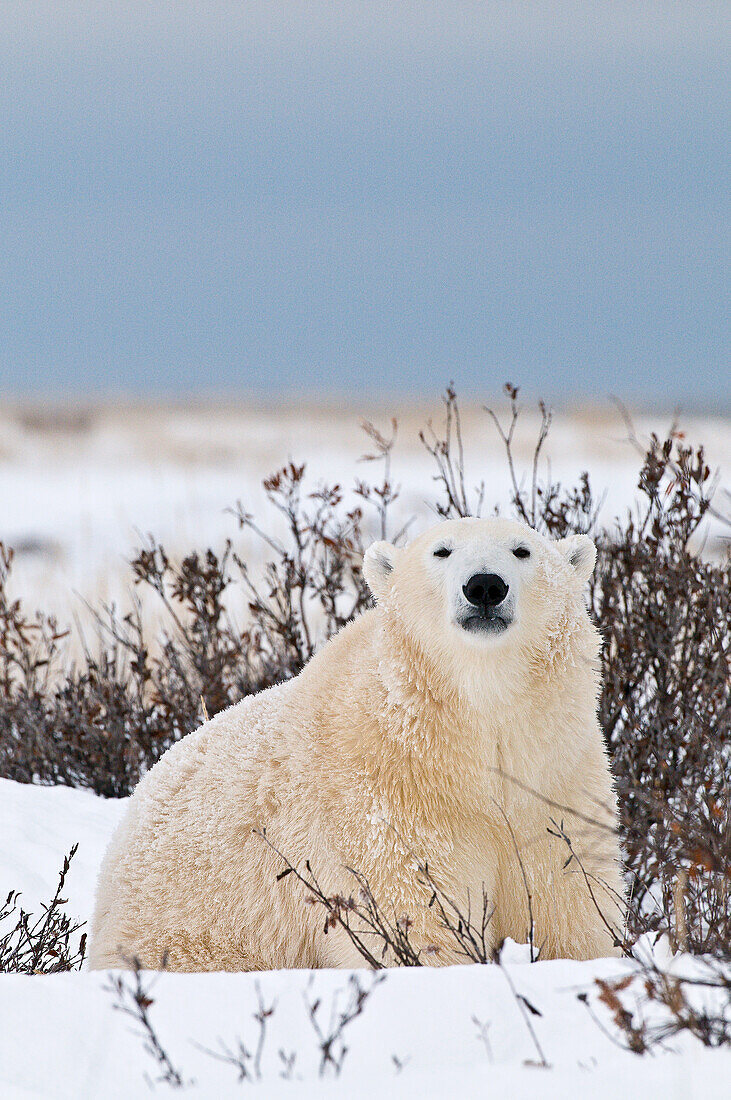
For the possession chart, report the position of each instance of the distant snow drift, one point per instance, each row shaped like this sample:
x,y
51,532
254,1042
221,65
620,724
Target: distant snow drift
x,y
82,487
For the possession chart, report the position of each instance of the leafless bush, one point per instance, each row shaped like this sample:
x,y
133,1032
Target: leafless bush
x,y
663,608
665,705
330,1035
44,944
650,1007
132,996
446,447
317,569
247,1063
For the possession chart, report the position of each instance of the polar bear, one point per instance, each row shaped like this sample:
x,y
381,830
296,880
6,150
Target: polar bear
x,y
453,722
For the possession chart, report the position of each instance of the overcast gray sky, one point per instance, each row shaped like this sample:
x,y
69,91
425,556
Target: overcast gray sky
x,y
365,198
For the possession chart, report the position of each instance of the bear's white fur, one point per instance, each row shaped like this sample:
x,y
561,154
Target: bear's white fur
x,y
416,732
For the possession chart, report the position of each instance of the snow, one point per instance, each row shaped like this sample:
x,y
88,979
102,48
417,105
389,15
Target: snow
x,y
62,1037
38,826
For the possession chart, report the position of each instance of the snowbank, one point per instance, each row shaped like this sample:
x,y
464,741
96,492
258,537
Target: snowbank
x,y
38,826
417,1036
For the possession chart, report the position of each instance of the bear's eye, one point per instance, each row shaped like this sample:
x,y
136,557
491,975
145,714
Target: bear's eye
x,y
521,552
442,552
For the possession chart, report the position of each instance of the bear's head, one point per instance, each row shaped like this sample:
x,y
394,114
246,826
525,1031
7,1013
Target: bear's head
x,y
471,590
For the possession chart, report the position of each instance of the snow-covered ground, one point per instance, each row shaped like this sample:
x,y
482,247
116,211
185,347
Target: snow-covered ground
x,y
80,486
417,1037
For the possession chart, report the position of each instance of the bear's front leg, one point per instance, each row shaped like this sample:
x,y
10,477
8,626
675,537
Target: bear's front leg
x,y
574,900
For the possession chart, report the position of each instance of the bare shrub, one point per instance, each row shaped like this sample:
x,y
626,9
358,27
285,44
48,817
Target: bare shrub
x,y
132,997
650,1007
45,944
247,1063
665,615
331,1035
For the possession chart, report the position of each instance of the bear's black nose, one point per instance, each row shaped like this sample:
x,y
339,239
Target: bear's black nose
x,y
485,590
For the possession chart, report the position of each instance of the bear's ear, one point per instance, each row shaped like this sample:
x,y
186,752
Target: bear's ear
x,y
378,563
580,552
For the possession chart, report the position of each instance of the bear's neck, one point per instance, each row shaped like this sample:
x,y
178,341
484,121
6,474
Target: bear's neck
x,y
441,737
432,727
